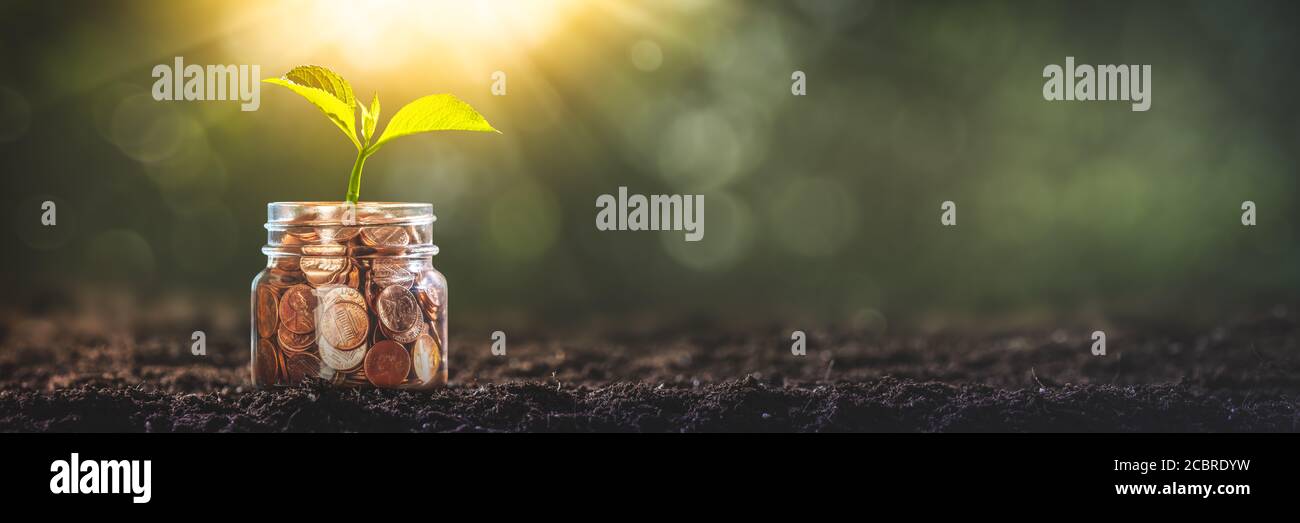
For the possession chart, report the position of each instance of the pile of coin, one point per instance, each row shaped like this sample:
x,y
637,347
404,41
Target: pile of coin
x,y
341,313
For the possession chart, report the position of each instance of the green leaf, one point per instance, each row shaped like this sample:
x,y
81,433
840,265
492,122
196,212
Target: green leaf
x,y
327,91
436,112
323,79
330,93
369,119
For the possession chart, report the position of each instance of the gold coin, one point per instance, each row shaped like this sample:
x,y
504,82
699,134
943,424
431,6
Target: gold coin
x,y
397,309
323,270
266,311
345,325
427,357
294,342
298,309
385,236
387,364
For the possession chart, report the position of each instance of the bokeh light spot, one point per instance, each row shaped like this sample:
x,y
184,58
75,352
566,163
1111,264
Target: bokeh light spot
x,y
646,55
728,235
148,130
699,151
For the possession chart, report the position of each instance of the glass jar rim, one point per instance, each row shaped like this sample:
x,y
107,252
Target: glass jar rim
x,y
335,213
318,228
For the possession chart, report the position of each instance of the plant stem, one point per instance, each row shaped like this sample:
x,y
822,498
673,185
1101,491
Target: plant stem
x,y
354,181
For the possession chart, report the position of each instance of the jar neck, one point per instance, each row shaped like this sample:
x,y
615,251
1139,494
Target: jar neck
x,y
337,229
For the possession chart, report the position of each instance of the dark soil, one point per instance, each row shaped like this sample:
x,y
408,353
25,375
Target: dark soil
x,y
60,371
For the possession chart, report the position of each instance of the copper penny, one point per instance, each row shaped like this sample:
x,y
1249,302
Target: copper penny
x,y
411,334
429,302
332,376
331,294
397,309
437,335
327,249
300,366
281,279
385,236
341,360
298,309
387,364
426,357
300,236
345,325
323,270
287,263
348,277
355,378
340,235
372,294
265,363
414,233
385,273
266,311
377,333
294,342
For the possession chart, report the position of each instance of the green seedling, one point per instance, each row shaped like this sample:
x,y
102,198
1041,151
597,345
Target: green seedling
x,y
333,96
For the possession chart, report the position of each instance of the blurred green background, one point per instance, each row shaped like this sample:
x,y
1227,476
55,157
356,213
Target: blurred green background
x,y
824,206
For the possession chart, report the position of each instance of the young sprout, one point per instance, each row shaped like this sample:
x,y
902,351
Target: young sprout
x,y
333,96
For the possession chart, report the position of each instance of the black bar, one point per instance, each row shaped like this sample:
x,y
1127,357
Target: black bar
x,y
982,473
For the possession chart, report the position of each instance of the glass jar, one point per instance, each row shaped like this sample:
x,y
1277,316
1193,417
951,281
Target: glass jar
x,y
350,296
